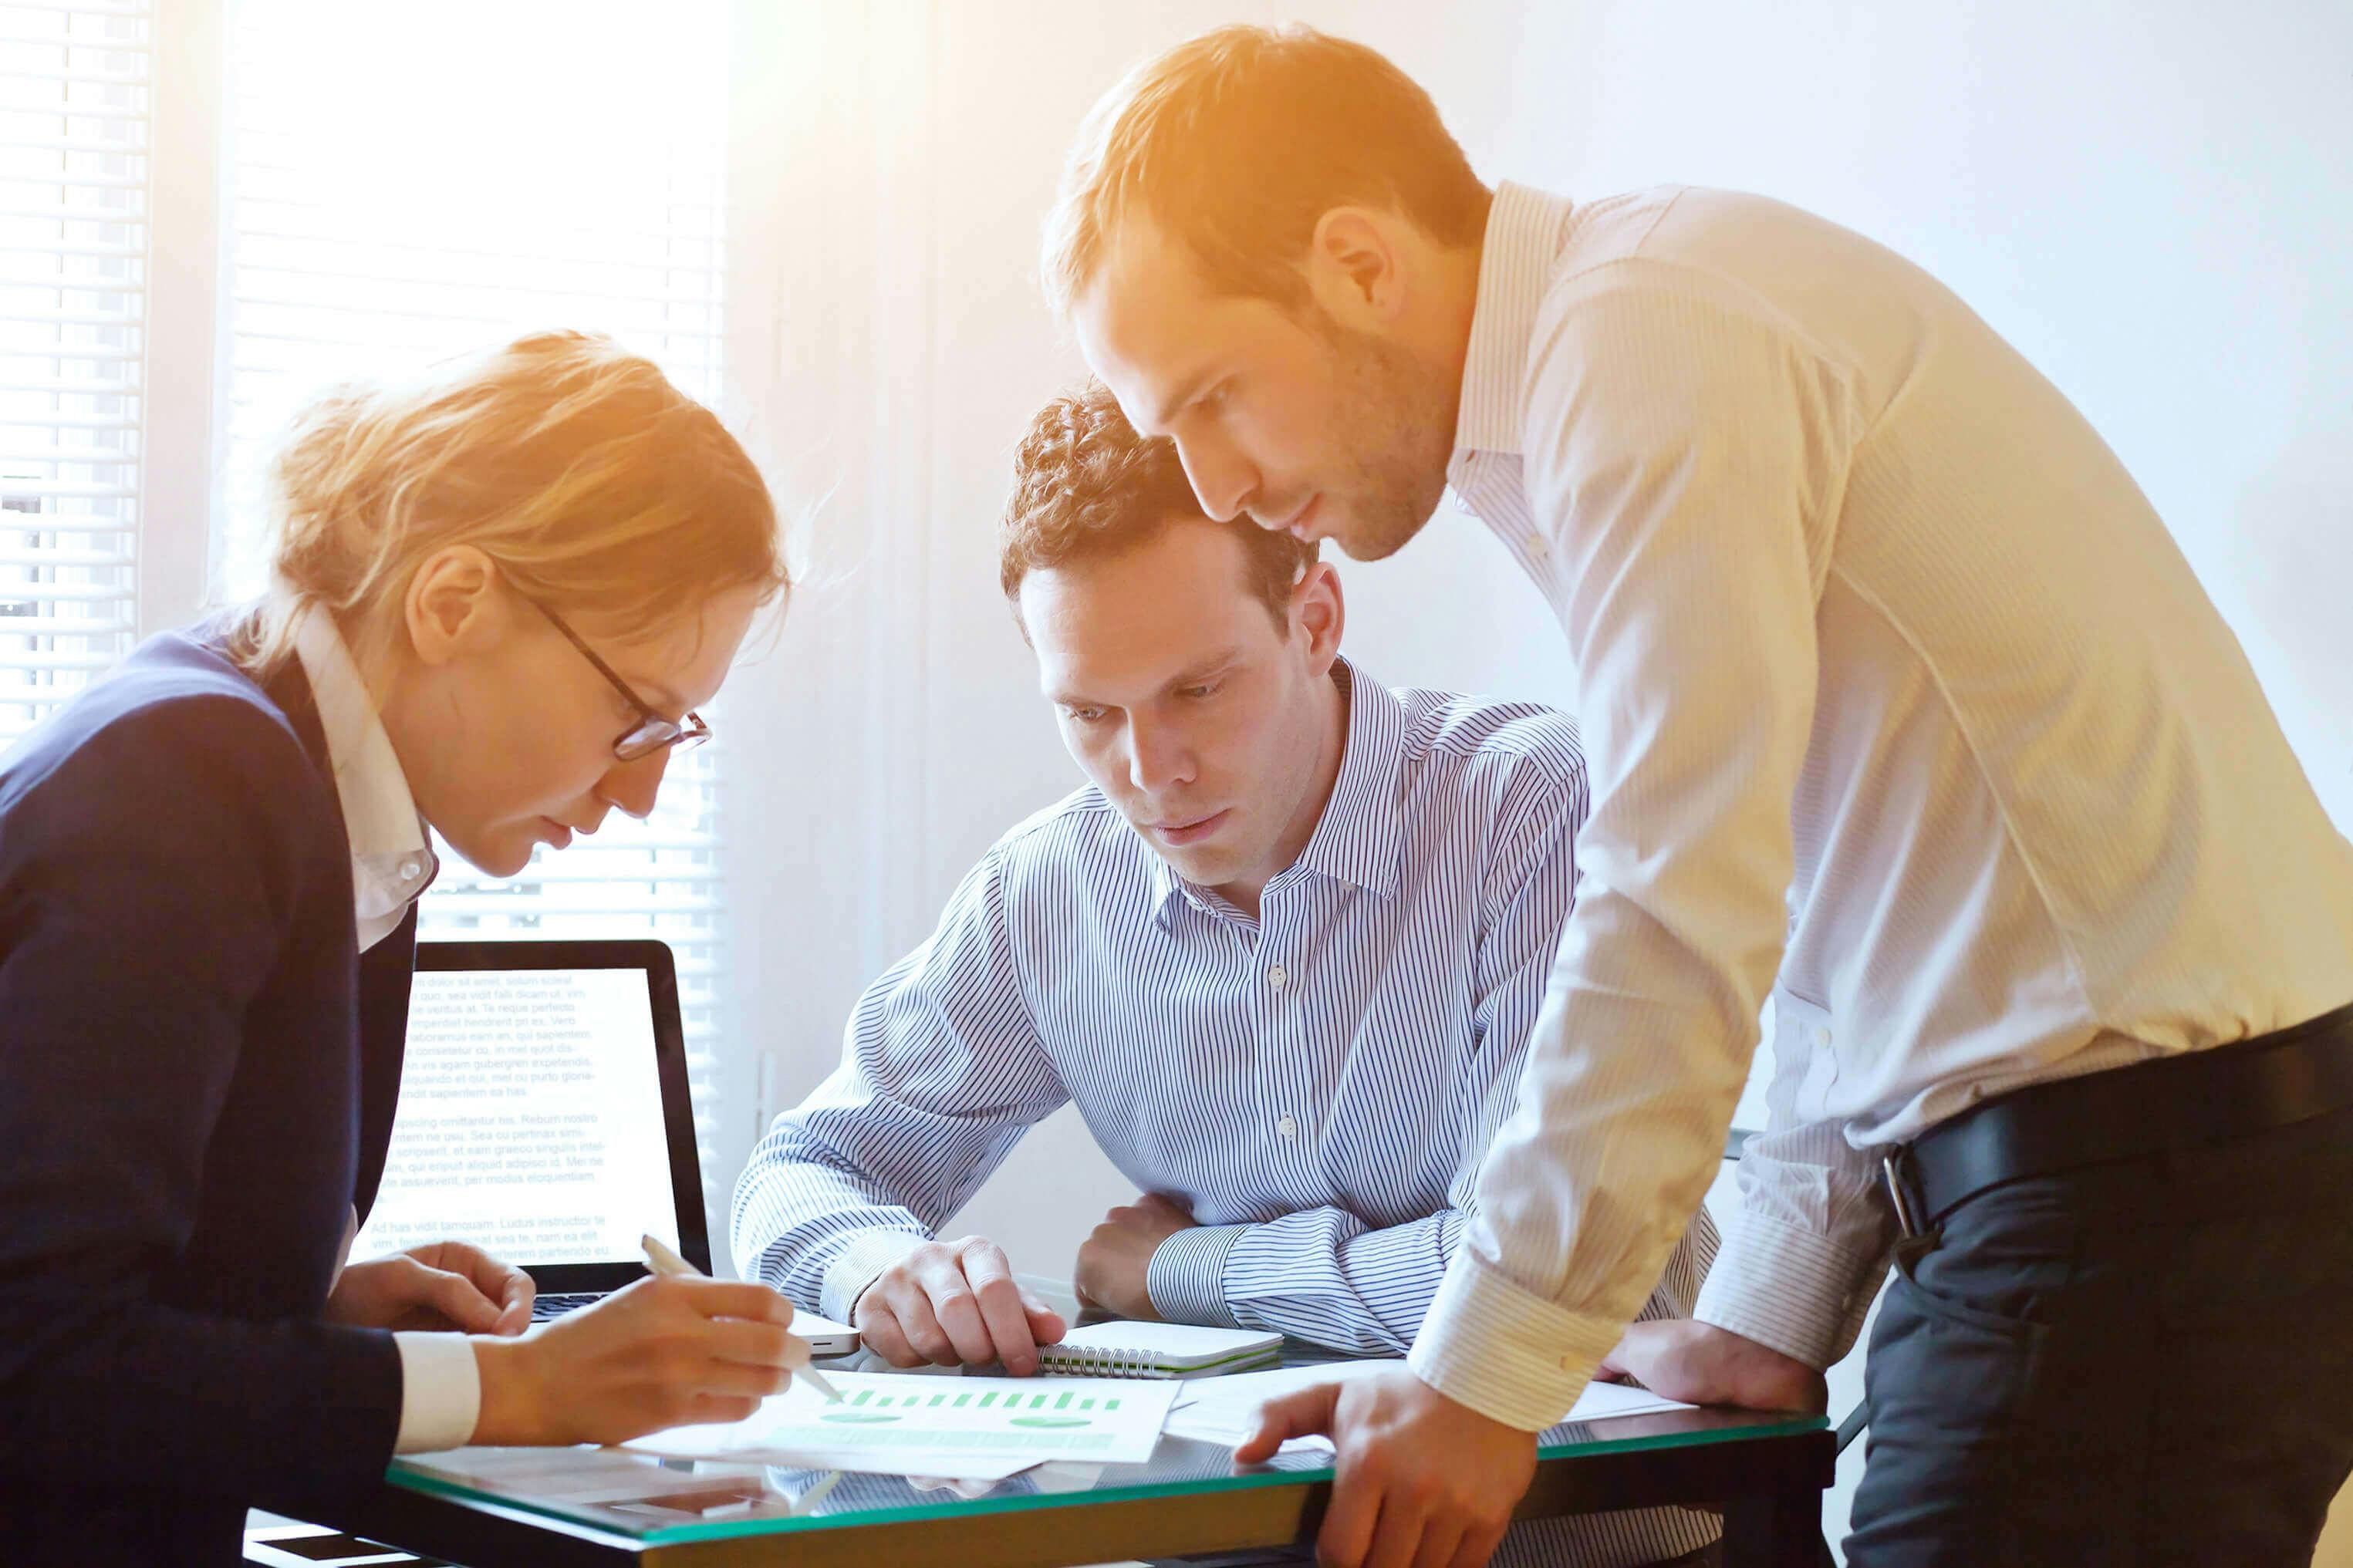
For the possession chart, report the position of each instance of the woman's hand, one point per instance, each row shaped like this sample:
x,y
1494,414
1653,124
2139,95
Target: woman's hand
x,y
448,1285
662,1352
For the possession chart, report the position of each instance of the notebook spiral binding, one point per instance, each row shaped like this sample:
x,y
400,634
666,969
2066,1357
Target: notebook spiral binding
x,y
1100,1362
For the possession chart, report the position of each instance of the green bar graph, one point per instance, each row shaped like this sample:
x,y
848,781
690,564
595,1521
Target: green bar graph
x,y
1044,1418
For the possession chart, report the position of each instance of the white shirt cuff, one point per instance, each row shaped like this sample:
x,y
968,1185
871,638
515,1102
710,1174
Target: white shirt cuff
x,y
1789,1289
1508,1354
440,1392
859,1262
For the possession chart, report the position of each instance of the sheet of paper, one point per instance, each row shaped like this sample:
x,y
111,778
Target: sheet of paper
x,y
972,1428
1607,1401
1225,1410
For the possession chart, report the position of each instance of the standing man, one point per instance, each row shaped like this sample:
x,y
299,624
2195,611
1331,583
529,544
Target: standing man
x,y
1901,704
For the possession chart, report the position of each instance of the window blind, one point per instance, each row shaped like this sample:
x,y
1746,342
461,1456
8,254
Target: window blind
x,y
74,118
408,181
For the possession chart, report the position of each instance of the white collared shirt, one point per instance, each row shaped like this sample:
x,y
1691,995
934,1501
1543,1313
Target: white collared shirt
x,y
392,858
392,865
1899,701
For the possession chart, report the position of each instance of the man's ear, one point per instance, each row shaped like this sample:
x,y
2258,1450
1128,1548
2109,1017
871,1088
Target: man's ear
x,y
453,605
1355,269
1318,614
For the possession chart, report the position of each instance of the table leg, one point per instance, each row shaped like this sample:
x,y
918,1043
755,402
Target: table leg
x,y
1775,1530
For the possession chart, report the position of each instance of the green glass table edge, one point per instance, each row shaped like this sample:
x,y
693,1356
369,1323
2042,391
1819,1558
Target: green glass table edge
x,y
677,1534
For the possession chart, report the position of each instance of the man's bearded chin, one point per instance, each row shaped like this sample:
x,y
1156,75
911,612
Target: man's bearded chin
x,y
1397,420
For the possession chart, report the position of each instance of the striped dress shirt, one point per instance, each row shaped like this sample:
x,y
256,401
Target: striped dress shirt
x,y
1318,1086
1900,702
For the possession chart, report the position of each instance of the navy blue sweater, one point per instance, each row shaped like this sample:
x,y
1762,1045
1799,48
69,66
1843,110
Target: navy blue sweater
x,y
197,1072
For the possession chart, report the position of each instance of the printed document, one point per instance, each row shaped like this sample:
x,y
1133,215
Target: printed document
x,y
964,1427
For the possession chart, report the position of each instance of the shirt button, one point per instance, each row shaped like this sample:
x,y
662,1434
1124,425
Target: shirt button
x,y
1277,976
1287,1127
1822,1035
1539,546
411,870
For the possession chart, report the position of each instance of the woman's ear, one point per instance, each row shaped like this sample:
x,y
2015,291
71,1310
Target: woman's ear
x,y
453,607
1318,613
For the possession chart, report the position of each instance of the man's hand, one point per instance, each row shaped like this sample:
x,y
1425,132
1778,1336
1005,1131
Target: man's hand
x,y
1704,1364
448,1285
663,1352
951,1301
1114,1261
1419,1479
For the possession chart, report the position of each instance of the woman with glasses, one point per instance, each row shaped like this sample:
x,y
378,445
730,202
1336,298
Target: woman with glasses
x,y
499,599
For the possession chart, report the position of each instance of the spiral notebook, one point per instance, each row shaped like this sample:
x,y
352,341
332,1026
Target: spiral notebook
x,y
1123,1349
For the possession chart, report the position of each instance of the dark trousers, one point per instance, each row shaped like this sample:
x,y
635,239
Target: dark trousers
x,y
2145,1362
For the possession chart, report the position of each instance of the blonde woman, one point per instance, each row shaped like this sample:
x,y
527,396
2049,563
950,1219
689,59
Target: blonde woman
x,y
499,599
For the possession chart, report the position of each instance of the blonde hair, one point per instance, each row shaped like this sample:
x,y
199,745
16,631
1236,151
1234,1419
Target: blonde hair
x,y
1238,141
593,484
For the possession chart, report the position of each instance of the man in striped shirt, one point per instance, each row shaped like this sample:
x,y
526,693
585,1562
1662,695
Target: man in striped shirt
x,y
1284,953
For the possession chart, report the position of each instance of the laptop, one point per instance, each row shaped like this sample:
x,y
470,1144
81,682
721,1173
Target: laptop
x,y
543,1117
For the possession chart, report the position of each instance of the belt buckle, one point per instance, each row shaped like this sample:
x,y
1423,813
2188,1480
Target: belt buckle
x,y
1889,1167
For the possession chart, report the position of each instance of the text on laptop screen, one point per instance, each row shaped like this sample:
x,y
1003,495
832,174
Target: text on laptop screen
x,y
529,1119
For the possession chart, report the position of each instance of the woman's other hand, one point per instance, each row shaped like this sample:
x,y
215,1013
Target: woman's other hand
x,y
449,1284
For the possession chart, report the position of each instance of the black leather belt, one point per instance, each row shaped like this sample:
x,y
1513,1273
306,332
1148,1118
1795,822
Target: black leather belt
x,y
2125,1113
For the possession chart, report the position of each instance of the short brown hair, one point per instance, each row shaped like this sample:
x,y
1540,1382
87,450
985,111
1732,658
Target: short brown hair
x,y
1238,141
1087,487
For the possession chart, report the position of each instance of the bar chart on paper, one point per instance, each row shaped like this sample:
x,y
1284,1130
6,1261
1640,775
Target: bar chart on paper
x,y
1051,1420
907,1424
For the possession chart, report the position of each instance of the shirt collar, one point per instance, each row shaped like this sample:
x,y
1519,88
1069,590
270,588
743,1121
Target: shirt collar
x,y
392,864
1360,839
1525,229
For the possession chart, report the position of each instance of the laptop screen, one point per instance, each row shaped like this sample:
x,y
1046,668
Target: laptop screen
x,y
531,1119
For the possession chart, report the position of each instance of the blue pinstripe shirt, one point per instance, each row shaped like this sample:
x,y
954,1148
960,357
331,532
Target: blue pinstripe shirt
x,y
1318,1084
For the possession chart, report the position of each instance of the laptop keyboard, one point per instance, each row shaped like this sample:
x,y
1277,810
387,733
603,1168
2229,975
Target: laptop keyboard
x,y
546,1307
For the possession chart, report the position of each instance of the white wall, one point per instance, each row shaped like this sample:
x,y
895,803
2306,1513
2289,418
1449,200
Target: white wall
x,y
2149,199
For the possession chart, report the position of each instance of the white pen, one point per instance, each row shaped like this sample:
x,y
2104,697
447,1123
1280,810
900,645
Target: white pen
x,y
662,1259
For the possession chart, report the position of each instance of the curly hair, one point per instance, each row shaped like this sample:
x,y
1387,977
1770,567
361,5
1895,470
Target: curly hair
x,y
1087,487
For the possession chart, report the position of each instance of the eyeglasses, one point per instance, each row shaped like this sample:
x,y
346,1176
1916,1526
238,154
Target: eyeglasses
x,y
651,733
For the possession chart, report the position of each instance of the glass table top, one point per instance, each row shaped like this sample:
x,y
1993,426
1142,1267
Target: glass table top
x,y
657,1501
